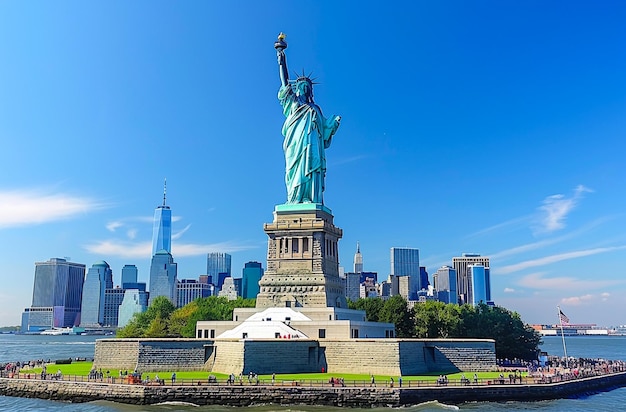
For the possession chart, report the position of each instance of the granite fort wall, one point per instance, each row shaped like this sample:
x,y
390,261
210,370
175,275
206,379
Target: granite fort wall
x,y
376,356
461,355
410,356
289,395
148,355
380,357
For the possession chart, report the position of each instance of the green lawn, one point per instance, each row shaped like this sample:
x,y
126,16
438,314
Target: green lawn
x,y
83,368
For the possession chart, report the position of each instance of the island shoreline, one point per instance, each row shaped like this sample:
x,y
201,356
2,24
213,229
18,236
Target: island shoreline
x,y
362,397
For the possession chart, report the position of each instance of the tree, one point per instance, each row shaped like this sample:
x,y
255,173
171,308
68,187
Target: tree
x,y
179,320
161,308
513,338
371,306
395,310
157,328
435,319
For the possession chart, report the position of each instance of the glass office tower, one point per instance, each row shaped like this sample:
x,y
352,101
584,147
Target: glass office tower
x,y
58,286
252,274
163,276
406,262
99,278
217,263
162,229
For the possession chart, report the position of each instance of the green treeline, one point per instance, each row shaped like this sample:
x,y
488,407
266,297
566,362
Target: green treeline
x,y
430,319
162,319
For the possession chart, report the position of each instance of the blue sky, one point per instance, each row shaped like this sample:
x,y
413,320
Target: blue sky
x,y
489,127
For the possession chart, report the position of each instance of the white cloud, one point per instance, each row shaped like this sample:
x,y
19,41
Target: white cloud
x,y
112,226
32,207
539,281
546,242
556,258
517,222
178,234
345,160
131,233
120,249
125,249
555,209
509,290
577,300
605,296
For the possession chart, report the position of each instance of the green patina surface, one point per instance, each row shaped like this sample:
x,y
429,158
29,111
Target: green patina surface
x,y
301,207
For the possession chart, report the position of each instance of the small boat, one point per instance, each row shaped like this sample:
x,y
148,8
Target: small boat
x,y
57,331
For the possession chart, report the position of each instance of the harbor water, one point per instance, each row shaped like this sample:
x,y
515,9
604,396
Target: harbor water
x,y
32,347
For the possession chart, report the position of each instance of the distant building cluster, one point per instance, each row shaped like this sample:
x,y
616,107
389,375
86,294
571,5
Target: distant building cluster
x,y
66,294
467,280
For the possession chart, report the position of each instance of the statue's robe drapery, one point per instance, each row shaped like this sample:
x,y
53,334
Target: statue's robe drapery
x,y
307,134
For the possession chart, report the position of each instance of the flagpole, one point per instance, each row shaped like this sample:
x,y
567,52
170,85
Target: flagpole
x,y
562,334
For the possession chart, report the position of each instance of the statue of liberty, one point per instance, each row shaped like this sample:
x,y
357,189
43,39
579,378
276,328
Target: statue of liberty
x,y
307,135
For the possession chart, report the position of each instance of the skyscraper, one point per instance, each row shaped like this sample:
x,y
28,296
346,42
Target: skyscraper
x,y
113,299
57,295
135,301
129,275
445,287
163,276
99,278
463,280
162,229
188,290
406,262
217,263
251,274
358,259
480,290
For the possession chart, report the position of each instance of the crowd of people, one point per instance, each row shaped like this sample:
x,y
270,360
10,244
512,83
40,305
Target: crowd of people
x,y
556,369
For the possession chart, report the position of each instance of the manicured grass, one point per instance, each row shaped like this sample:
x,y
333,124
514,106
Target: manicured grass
x,y
83,368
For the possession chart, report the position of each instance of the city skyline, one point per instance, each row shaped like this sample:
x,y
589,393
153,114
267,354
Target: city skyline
x,y
485,128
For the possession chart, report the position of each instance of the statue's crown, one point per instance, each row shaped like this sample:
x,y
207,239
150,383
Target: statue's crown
x,y
304,78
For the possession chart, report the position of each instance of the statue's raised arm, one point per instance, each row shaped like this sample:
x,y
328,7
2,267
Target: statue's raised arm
x,y
280,45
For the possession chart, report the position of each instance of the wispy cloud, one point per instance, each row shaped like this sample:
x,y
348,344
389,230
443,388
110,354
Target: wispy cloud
x,y
516,222
32,207
550,215
577,300
131,233
509,290
345,160
125,249
113,226
178,234
555,209
546,260
540,281
546,242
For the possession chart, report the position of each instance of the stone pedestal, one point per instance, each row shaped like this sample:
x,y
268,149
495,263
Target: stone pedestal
x,y
302,259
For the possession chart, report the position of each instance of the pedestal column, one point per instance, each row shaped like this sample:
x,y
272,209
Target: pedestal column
x,y
302,259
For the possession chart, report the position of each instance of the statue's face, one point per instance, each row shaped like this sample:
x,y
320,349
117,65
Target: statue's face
x,y
304,88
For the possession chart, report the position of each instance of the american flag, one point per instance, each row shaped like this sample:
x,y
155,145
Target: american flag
x,y
564,319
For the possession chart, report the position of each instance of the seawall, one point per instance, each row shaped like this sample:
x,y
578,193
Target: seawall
x,y
290,395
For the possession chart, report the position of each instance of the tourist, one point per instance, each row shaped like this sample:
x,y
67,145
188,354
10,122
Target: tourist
x,y
273,378
400,381
173,378
391,382
373,382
